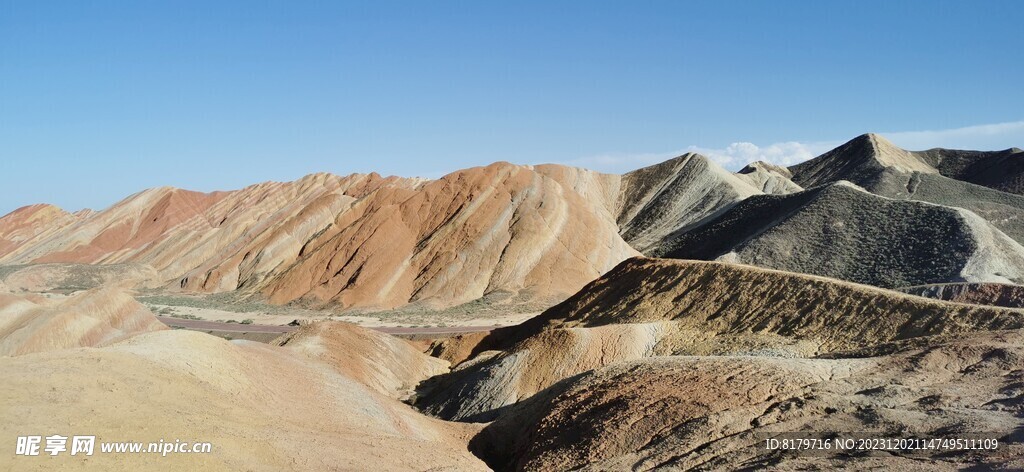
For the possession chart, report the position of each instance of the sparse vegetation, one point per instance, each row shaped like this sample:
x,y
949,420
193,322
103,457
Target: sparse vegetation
x,y
69,278
495,305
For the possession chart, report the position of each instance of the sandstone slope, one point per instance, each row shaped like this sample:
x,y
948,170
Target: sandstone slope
x,y
658,307
30,323
389,365
262,407
661,200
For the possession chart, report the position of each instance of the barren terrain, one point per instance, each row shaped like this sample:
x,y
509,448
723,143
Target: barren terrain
x,y
510,317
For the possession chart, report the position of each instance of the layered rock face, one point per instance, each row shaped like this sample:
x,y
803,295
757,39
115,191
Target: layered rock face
x,y
536,233
26,224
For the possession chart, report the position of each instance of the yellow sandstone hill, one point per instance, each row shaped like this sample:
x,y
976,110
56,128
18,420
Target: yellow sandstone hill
x,y
385,363
31,323
263,408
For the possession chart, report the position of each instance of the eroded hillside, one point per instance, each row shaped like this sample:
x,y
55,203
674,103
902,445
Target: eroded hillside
x,y
659,307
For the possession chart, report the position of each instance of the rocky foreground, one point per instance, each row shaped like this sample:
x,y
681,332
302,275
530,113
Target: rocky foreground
x,y
262,407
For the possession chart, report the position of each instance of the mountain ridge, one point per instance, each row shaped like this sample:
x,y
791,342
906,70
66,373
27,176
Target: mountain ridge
x,y
364,241
868,238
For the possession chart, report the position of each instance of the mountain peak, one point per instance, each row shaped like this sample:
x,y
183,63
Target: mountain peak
x,y
764,166
872,137
877,142
865,154
38,210
890,155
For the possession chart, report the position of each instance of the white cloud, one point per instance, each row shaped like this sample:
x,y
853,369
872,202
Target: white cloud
x,y
990,137
737,155
733,156
995,136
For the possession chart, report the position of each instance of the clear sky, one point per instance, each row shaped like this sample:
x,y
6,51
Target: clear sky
x,y
99,100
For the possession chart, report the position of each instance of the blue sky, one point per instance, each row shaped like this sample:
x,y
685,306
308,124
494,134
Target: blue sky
x,y
102,99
